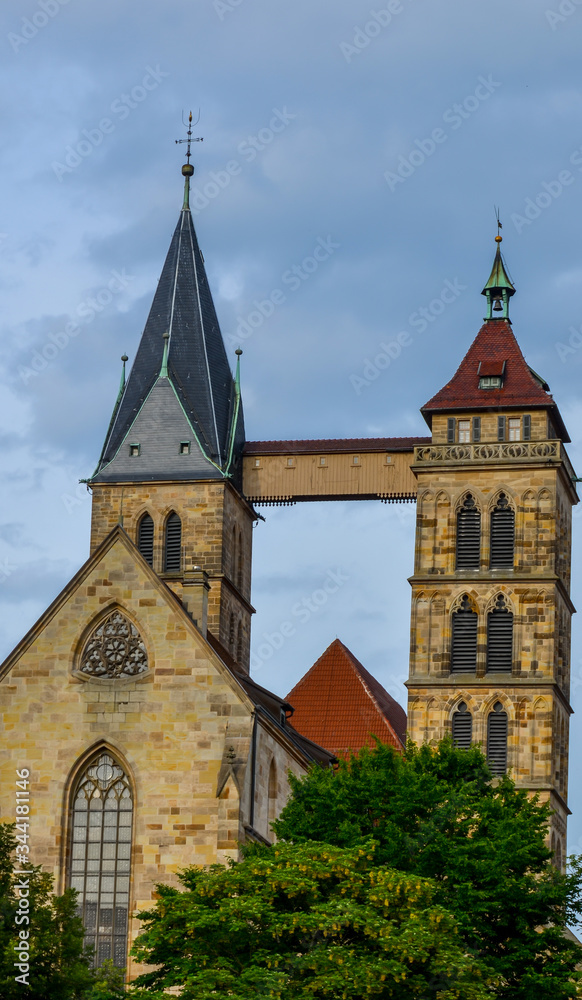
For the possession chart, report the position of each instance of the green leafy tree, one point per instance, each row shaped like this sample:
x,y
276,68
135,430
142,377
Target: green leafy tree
x,y
58,966
437,812
308,921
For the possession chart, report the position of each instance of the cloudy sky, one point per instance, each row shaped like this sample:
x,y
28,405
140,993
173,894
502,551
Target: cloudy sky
x,y
389,133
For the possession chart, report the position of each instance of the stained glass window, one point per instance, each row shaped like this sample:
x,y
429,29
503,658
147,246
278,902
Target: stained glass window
x,y
100,858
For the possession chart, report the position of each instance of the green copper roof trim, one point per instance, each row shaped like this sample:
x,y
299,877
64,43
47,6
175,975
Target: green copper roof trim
x,y
234,423
164,368
196,438
114,414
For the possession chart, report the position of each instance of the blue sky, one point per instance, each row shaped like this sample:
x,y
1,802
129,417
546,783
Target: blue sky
x,y
389,132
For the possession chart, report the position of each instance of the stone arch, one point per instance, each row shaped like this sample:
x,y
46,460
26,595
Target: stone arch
x,y
501,490
492,600
472,596
476,495
112,647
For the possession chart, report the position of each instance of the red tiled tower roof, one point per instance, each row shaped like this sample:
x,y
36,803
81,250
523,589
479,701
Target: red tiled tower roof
x,y
494,346
339,705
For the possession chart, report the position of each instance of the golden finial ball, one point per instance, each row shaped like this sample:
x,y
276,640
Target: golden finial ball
x,y
499,239
187,170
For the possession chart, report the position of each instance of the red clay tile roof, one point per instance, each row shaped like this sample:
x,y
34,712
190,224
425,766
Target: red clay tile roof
x,y
333,444
339,705
495,343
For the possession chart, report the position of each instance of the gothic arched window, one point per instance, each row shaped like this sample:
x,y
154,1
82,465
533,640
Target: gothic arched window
x,y
272,791
114,649
462,727
468,534
500,636
173,544
239,643
100,855
502,534
145,538
497,739
464,638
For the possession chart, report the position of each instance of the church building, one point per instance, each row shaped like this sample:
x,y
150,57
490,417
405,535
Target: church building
x,y
130,702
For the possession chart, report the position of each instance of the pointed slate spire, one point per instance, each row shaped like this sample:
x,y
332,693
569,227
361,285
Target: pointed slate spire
x,y
499,288
202,404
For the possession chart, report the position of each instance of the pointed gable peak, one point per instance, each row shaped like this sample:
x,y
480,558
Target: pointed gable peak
x,y
339,705
182,342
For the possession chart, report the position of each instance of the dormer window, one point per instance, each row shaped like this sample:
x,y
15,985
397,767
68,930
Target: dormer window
x,y
184,447
490,382
491,374
134,450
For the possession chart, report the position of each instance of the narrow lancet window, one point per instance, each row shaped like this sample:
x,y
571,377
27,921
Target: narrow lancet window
x,y
464,637
173,544
145,538
500,637
100,856
502,534
497,740
462,727
468,534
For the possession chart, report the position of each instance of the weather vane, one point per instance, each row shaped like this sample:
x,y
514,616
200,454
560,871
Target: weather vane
x,y
499,226
189,138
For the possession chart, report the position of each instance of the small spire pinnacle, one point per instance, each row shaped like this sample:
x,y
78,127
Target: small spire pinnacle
x,y
164,368
187,168
499,287
124,358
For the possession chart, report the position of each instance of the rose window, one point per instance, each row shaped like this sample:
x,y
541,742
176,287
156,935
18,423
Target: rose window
x,y
114,649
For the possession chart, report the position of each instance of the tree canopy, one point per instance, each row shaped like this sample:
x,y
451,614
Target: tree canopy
x,y
437,812
308,921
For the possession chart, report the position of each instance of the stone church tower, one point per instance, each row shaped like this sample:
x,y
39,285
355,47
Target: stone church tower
x,y
129,702
491,608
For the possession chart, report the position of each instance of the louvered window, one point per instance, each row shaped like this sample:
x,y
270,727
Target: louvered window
x,y
476,428
500,637
173,546
501,428
462,727
497,739
464,641
502,534
468,535
145,538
